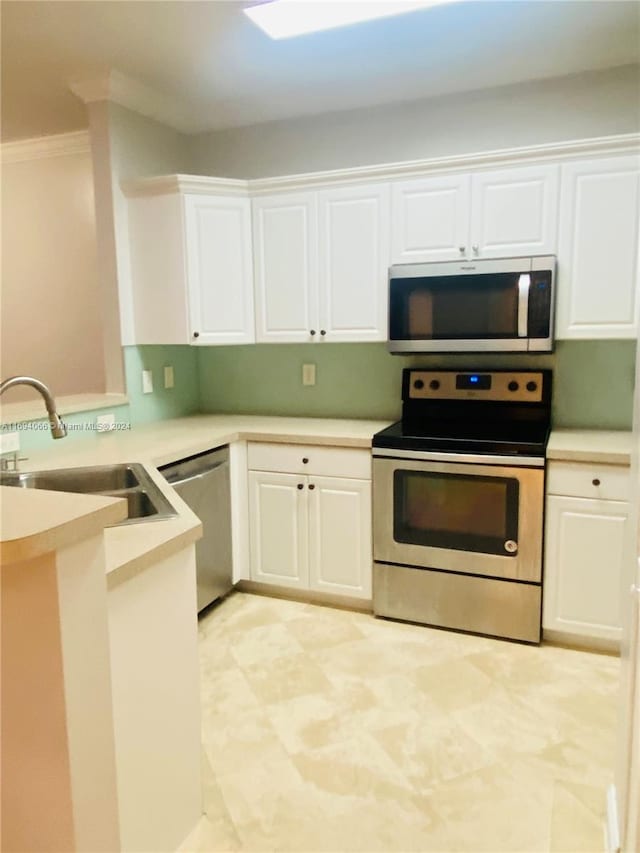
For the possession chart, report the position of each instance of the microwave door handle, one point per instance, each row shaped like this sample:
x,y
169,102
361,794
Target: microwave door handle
x,y
524,283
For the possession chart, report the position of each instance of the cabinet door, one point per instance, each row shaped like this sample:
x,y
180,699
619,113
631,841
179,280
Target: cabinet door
x,y
354,263
219,269
583,566
430,219
278,529
598,251
340,554
158,283
286,267
515,212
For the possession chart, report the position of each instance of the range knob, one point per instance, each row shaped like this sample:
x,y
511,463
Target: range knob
x,y
418,384
434,384
532,386
513,385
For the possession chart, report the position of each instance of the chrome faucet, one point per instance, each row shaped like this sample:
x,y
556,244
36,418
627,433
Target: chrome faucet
x,y
58,429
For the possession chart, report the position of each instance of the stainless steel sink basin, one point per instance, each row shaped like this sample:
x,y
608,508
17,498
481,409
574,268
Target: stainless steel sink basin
x,y
109,478
144,499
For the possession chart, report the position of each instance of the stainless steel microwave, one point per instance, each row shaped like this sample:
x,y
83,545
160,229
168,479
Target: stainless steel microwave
x,y
503,305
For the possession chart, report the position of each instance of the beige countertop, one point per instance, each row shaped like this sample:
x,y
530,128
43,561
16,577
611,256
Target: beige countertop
x,y
165,441
36,522
135,546
612,447
48,517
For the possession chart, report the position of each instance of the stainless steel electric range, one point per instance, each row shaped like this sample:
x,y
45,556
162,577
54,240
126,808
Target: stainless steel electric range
x,y
458,502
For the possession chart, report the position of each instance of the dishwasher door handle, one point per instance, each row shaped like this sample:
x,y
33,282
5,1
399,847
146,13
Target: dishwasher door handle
x,y
198,476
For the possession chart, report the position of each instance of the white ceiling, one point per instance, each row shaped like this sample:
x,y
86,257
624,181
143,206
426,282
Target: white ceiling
x,y
221,71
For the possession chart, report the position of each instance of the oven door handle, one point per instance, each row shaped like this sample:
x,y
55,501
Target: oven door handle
x,y
471,458
524,285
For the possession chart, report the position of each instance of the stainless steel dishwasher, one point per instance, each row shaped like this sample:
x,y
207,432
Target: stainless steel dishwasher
x,y
202,482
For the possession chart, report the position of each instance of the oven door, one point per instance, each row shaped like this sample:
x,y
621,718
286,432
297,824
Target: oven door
x,y
480,519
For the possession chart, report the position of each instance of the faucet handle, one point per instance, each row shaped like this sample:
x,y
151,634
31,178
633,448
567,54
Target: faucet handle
x,y
9,461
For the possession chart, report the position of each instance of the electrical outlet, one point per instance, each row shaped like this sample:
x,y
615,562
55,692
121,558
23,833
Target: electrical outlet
x,y
9,442
104,423
168,377
147,382
308,374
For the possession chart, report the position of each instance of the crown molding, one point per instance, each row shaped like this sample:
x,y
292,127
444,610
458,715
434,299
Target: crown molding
x,y
139,97
193,184
40,147
600,146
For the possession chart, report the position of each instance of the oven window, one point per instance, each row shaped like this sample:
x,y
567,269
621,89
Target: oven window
x,y
455,511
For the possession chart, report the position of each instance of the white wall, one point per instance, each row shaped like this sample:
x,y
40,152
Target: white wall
x,y
598,103
127,145
50,318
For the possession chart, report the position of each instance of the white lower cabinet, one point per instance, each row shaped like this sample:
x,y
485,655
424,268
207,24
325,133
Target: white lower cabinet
x,y
310,531
278,529
340,536
585,538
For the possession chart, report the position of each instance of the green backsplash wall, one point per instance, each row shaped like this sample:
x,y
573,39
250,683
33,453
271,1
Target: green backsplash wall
x,y
593,383
162,403
593,380
182,399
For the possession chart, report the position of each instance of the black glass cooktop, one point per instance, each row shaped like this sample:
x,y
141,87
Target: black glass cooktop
x,y
455,436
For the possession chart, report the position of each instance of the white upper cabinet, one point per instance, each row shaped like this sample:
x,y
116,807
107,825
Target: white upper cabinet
x,y
353,263
430,219
191,271
321,263
286,267
598,251
304,259
494,214
514,212
158,285
219,270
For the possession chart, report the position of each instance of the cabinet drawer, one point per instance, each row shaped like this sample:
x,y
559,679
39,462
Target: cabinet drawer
x,y
587,480
310,459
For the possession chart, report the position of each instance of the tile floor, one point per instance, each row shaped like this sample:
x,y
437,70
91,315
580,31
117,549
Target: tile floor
x,y
328,730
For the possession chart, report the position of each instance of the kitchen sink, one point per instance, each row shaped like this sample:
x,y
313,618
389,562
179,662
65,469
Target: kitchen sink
x,y
145,501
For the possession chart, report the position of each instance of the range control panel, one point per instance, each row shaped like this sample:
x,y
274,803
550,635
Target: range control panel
x,y
499,386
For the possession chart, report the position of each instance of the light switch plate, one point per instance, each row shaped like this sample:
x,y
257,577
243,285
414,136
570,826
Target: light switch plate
x,y
107,422
147,382
308,374
9,442
168,377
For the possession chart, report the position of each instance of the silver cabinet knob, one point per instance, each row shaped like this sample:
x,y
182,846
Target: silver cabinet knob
x,y
461,249
476,250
